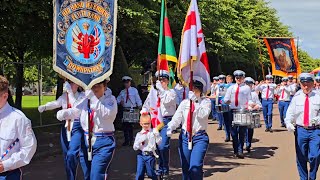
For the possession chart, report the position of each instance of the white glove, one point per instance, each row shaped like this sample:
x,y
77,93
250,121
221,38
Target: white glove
x,y
144,111
169,132
192,96
61,114
155,131
89,94
67,87
41,108
290,127
159,86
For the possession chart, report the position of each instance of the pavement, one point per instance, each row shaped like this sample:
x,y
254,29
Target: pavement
x,y
272,158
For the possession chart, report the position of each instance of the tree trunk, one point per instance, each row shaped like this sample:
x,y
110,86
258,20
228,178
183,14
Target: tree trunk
x,y
19,84
60,82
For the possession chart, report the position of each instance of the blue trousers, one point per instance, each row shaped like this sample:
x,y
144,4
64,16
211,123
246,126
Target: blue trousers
x,y
128,132
192,160
307,149
102,154
145,164
249,136
238,135
213,110
227,120
163,148
267,107
283,107
11,175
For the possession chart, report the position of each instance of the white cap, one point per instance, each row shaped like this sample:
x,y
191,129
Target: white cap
x,y
269,76
249,79
126,78
162,73
201,80
304,77
239,73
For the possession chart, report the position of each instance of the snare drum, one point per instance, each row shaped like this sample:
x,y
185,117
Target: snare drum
x,y
256,119
221,108
242,118
131,115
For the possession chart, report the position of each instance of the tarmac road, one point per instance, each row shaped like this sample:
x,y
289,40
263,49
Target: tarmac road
x,y
272,158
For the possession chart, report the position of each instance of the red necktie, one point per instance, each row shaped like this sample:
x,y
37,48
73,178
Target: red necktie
x,y
189,120
184,93
236,97
282,94
146,132
127,95
91,120
267,96
306,111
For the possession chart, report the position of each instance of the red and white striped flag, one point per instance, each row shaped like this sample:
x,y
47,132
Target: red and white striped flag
x,y
193,48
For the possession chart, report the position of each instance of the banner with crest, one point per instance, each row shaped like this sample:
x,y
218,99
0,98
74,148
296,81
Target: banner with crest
x,y
283,56
84,40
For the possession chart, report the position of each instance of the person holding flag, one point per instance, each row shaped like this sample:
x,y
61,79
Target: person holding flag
x,y
161,104
267,93
192,160
238,96
71,136
97,113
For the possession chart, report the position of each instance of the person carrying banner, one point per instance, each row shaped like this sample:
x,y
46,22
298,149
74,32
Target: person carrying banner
x,y
192,160
267,93
71,136
238,96
255,106
213,95
284,99
97,113
146,144
129,99
303,119
167,102
17,140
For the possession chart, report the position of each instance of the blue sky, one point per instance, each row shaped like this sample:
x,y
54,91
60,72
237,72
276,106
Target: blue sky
x,y
303,17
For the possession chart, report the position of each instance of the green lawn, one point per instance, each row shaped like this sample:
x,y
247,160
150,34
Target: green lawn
x,y
33,101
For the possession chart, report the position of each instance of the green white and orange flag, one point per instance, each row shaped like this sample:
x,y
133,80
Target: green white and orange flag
x,y
167,58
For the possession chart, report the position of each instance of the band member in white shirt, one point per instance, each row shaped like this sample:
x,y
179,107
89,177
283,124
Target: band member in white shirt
x,y
303,119
284,92
192,160
17,140
129,99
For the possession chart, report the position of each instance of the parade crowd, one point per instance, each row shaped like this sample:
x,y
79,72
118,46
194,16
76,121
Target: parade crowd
x,y
235,101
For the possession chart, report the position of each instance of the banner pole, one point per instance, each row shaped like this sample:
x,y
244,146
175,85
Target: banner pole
x,y
260,59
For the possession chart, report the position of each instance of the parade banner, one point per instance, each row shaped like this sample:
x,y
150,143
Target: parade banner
x,y
84,40
283,56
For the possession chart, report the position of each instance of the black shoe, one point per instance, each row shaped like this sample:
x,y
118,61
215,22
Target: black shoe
x,y
282,125
267,130
270,130
227,140
219,128
126,143
240,156
248,149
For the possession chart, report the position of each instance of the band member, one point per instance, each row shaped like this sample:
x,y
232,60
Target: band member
x,y
181,91
146,144
293,85
213,95
267,93
256,105
167,99
317,84
17,140
223,117
239,97
284,99
192,160
129,99
101,112
303,118
73,145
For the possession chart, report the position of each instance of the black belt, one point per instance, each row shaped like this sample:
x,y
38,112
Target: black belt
x,y
146,153
310,127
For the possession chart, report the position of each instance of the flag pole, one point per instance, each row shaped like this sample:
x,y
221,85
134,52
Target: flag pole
x,y
190,110
68,121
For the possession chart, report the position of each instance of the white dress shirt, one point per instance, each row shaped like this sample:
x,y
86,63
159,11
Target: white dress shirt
x,y
134,99
108,92
293,87
105,111
295,112
244,97
264,89
285,90
199,119
214,89
146,141
179,89
15,125
255,99
167,102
